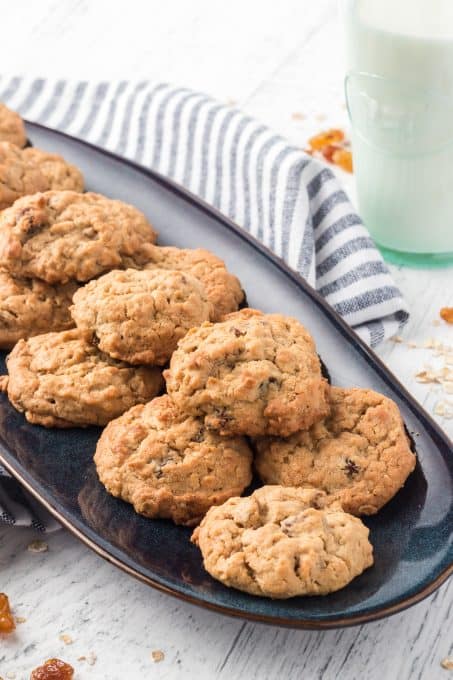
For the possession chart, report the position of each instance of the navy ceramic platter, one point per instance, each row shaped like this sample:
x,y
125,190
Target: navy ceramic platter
x,y
412,535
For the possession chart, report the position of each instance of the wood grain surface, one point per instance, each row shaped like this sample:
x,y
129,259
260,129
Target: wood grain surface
x,y
280,61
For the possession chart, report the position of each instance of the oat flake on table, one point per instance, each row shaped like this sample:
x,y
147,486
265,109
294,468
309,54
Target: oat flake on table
x,y
90,658
37,547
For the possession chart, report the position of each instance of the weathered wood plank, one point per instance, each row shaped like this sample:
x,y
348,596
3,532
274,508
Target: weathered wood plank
x,y
275,59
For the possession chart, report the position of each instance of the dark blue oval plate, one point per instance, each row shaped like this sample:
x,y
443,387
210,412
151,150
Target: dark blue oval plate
x,y
411,535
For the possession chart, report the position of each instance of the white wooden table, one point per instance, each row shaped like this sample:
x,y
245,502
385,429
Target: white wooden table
x,y
275,59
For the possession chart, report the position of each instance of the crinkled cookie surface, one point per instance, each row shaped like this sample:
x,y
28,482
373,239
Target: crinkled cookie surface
x,y
281,542
168,464
252,373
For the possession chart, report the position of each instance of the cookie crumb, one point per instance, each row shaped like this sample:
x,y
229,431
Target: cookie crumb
x,y
397,339
424,376
157,655
444,408
447,663
10,675
297,115
67,639
436,322
37,547
90,658
20,619
412,344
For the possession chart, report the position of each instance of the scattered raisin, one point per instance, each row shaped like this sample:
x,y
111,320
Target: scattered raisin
x,y
7,623
351,468
238,333
343,158
329,150
319,142
446,313
53,669
333,147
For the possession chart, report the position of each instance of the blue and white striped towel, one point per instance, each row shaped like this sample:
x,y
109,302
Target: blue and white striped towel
x,y
283,197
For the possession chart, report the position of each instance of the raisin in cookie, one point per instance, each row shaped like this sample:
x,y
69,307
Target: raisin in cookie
x,y
12,128
282,542
139,316
250,374
222,288
60,380
29,307
168,465
18,176
359,454
60,174
61,235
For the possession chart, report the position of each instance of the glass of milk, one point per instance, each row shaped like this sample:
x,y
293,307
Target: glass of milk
x,y
399,91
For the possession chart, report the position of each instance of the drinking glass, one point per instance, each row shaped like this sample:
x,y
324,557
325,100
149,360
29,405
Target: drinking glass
x,y
399,93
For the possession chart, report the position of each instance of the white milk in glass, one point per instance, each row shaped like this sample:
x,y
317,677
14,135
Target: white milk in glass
x,y
399,90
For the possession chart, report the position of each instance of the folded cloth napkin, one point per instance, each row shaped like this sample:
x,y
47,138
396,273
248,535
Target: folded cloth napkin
x,y
279,194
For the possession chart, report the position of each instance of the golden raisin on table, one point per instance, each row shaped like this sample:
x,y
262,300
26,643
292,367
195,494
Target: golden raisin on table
x,y
343,158
53,669
327,138
7,623
446,313
329,151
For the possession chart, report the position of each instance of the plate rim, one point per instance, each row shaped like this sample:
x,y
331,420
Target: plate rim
x,y
301,624
369,355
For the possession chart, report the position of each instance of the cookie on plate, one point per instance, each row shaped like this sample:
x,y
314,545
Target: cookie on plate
x,y
252,373
360,454
12,128
222,288
62,235
139,316
29,307
61,380
282,542
18,176
168,464
60,174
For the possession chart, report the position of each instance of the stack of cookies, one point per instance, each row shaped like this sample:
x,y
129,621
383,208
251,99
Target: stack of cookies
x,y
102,321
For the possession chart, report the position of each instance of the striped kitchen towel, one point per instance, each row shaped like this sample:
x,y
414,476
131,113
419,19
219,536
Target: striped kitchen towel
x,y
283,197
